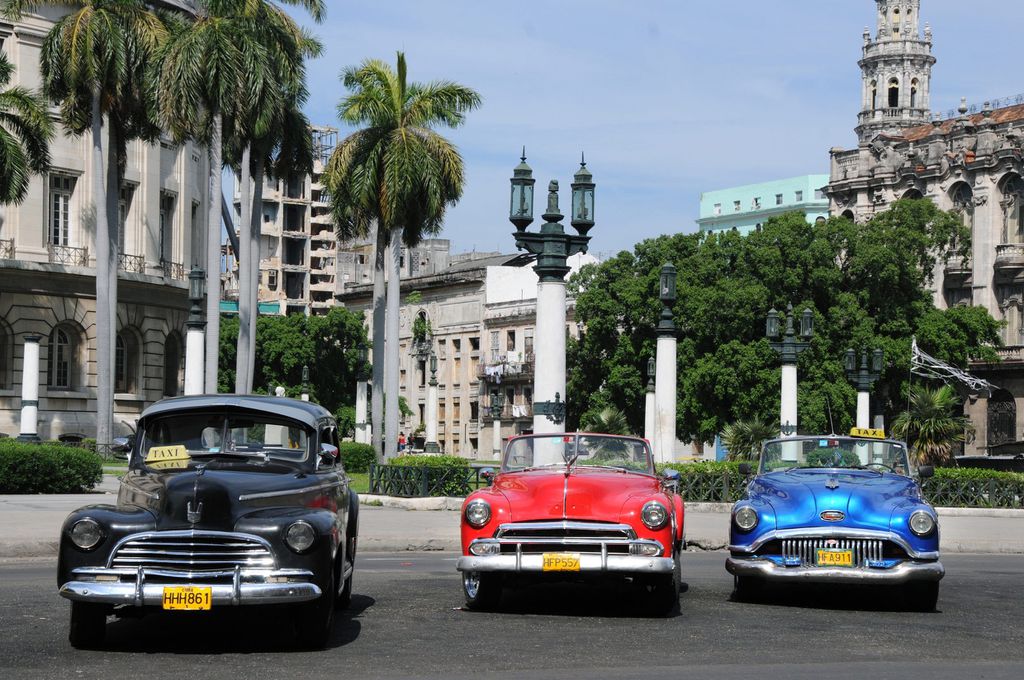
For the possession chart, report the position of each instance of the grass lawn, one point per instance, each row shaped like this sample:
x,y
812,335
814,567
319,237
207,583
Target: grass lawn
x,y
360,482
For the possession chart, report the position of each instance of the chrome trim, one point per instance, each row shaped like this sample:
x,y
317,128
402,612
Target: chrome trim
x,y
595,528
289,492
589,563
151,551
835,532
904,572
223,593
149,573
864,550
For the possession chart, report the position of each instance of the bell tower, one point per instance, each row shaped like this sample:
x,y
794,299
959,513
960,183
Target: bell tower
x,y
896,69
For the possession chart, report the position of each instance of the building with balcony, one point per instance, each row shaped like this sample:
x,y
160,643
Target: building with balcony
x,y
746,208
968,161
48,274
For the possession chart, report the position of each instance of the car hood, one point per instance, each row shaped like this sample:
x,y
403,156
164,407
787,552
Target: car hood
x,y
585,494
219,486
866,499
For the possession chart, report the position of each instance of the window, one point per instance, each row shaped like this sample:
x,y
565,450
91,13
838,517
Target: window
x,y
819,195
126,357
474,411
528,341
913,93
799,196
456,346
272,279
510,341
756,205
474,344
1002,418
718,209
166,226
894,93
963,204
61,189
778,199
172,365
440,411
874,95
124,206
495,344
60,361
736,206
1013,216
456,412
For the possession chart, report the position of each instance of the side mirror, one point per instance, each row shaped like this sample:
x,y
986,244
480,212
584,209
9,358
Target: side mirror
x,y
488,475
925,471
328,454
671,478
745,469
123,446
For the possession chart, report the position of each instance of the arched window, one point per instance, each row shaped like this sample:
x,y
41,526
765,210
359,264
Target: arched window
x,y
913,93
1011,304
1012,190
894,93
912,194
1002,418
874,95
896,21
963,203
848,214
172,365
126,363
62,359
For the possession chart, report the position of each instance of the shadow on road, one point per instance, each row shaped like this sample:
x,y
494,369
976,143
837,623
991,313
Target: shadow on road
x,y
830,597
615,599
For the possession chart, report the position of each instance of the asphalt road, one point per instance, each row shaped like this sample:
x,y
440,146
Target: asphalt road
x,y
407,621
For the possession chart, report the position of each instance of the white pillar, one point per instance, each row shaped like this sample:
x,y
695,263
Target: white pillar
x,y
30,390
787,413
864,409
665,398
195,342
496,439
362,435
651,421
549,352
431,445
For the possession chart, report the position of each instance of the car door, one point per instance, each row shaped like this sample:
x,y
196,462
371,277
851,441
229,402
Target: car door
x,y
333,480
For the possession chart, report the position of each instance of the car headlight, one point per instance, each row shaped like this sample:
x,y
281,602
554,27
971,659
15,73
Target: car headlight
x,y
745,518
478,513
300,536
922,523
654,515
86,533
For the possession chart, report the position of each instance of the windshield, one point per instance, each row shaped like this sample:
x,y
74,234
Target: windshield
x,y
834,452
175,441
623,453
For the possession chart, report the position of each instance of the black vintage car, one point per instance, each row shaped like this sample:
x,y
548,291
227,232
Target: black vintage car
x,y
228,501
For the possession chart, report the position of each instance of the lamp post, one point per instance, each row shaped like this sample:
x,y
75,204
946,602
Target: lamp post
x,y
553,247
305,383
362,434
666,370
650,416
497,405
431,445
789,348
863,377
195,333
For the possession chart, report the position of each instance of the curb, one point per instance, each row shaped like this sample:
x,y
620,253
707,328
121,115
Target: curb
x,y
431,503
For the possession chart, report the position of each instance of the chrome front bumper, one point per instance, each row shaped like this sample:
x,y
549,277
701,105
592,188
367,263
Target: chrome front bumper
x,y
247,586
589,563
905,572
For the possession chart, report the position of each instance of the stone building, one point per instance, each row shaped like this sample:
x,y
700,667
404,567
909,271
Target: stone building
x,y
969,161
47,268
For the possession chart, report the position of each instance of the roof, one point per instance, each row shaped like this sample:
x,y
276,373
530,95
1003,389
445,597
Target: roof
x,y
1009,114
305,412
509,260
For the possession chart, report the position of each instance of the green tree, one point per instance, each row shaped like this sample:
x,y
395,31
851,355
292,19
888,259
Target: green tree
x,y
93,63
868,285
396,176
609,420
25,135
744,438
931,425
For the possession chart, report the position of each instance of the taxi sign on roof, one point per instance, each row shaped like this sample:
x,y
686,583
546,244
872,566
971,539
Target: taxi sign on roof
x,y
867,432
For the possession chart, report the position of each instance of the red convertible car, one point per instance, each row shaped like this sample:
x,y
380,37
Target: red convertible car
x,y
577,506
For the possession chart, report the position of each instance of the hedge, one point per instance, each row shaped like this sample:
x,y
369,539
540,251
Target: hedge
x,y
416,476
47,468
431,461
356,457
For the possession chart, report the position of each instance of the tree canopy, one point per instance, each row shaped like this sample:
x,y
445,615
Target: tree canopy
x,y
868,285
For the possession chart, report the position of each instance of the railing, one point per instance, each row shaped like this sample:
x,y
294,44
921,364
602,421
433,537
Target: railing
x,y
7,249
973,493
173,270
135,264
420,482
68,255
1010,353
1009,255
509,412
1000,103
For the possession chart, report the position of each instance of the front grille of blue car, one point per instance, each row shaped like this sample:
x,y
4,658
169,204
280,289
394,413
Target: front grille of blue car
x,y
867,552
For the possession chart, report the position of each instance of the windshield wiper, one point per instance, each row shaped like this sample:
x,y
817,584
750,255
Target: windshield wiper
x,y
233,453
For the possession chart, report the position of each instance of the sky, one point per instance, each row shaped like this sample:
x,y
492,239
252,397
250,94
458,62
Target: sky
x,y
666,98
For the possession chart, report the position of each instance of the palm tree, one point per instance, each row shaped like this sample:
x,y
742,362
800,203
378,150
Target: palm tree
x,y
25,134
930,425
398,175
743,439
609,420
92,63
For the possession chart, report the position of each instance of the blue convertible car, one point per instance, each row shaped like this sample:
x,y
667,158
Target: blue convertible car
x,y
836,509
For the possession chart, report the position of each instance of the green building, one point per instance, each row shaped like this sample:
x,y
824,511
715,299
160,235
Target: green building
x,y
746,208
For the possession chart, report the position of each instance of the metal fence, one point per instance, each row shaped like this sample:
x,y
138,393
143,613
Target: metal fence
x,y
420,482
973,493
67,255
131,263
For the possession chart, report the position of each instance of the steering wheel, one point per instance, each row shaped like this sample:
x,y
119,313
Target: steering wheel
x,y
887,467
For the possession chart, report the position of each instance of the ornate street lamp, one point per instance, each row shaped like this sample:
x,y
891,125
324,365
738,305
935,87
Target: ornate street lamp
x,y
864,377
667,295
665,386
651,368
497,404
583,199
789,348
521,206
195,332
305,383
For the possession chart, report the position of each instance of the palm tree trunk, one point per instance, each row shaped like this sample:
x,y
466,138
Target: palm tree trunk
x,y
255,224
104,310
213,257
243,381
391,411
377,396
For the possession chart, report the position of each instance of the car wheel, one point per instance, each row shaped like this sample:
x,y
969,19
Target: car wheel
x,y
663,591
747,588
314,621
922,597
88,625
482,589
345,594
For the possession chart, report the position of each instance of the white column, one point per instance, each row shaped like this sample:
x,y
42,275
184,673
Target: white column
x,y
195,342
651,421
431,444
362,427
665,398
549,352
30,390
496,439
787,414
864,409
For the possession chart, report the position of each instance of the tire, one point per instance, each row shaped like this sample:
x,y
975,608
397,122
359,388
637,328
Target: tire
x,y
663,591
482,590
344,600
746,588
88,626
922,597
314,621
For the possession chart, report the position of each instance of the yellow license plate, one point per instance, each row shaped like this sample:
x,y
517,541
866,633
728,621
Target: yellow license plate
x,y
188,598
561,562
835,558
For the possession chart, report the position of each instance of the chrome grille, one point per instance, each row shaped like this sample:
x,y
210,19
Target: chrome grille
x,y
806,549
583,537
192,551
